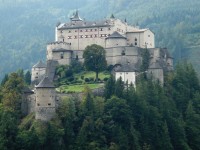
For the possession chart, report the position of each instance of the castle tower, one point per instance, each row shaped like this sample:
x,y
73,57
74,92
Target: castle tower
x,y
115,40
156,73
45,100
38,72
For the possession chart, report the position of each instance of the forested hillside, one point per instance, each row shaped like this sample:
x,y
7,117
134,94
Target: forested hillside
x,y
26,26
148,118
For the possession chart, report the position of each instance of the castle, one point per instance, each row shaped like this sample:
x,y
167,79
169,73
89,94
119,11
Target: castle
x,y
123,44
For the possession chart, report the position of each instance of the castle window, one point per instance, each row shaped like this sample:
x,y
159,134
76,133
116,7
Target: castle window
x,y
38,104
76,57
69,31
37,73
123,53
81,36
36,77
49,104
101,29
109,28
91,36
75,37
135,43
86,36
69,37
62,55
86,30
90,29
135,39
63,40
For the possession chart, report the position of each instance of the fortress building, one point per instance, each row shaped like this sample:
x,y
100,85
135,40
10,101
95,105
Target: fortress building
x,y
124,45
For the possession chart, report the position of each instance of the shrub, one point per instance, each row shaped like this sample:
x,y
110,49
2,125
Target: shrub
x,y
70,79
87,80
105,79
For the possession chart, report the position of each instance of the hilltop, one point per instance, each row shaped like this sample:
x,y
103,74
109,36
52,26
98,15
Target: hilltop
x,y
26,27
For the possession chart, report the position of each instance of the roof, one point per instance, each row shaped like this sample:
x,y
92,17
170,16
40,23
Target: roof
x,y
76,17
116,35
61,50
155,65
138,31
126,68
45,83
39,64
85,24
58,42
27,90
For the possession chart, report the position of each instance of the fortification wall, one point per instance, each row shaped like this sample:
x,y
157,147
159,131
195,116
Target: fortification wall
x,y
45,113
115,42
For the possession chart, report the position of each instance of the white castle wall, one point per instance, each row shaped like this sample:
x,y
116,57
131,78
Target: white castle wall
x,y
141,38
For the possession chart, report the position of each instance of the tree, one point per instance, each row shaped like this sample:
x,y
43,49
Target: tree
x,y
27,77
94,58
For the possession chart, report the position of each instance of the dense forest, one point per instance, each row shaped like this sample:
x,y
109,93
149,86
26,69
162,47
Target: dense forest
x,y
26,26
149,117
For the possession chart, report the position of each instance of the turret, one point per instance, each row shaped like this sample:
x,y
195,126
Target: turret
x,y
76,17
38,72
115,40
45,100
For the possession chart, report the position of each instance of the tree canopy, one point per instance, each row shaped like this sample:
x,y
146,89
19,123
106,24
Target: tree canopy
x,y
94,58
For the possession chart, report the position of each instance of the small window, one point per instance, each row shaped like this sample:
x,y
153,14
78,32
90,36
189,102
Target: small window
x,y
95,35
148,35
76,57
81,36
37,73
38,104
90,29
135,39
36,77
61,31
101,29
135,43
61,55
49,104
86,36
63,40
69,31
91,36
81,30
75,30
95,29
109,28
86,30
69,37
75,37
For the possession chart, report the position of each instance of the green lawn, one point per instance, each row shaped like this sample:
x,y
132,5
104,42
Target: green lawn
x,y
77,88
